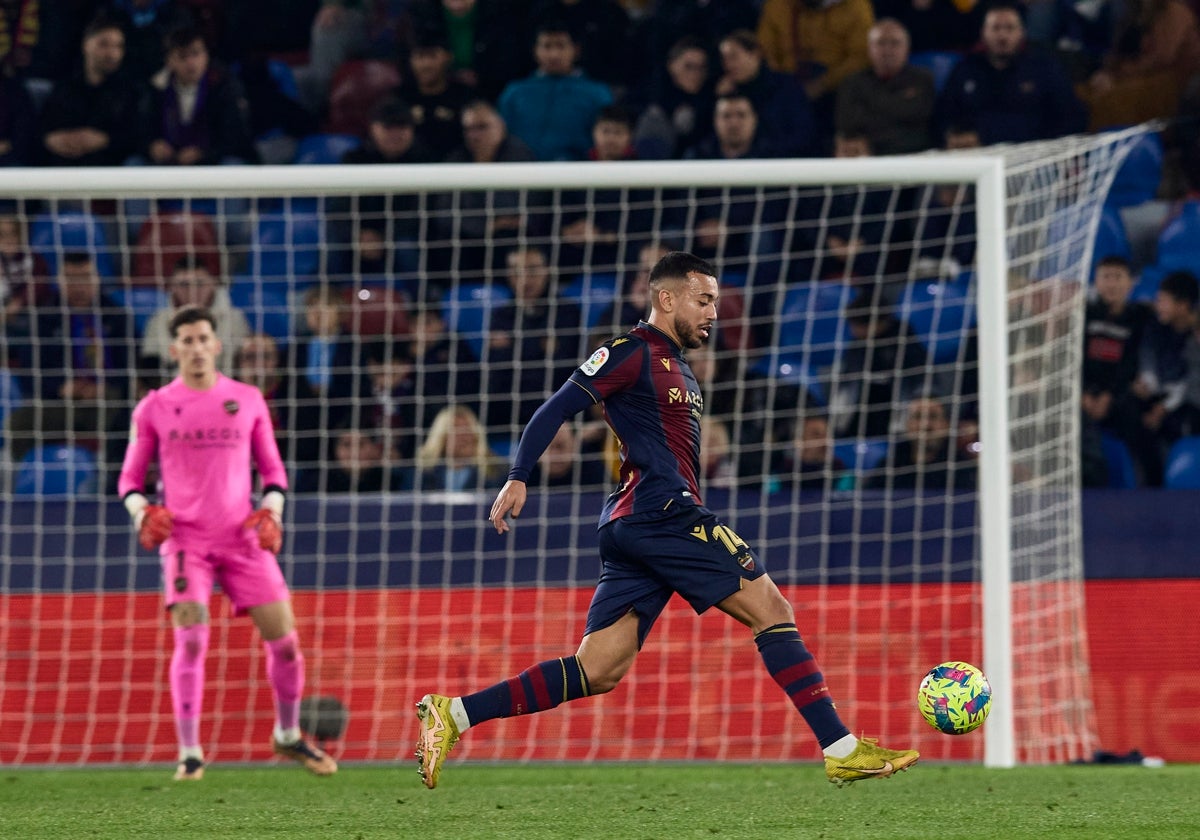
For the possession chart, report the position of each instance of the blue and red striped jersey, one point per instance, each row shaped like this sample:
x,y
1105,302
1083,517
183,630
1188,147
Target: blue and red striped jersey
x,y
652,401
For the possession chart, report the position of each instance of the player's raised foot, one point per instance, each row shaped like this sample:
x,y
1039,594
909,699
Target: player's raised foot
x,y
315,761
439,734
190,770
868,761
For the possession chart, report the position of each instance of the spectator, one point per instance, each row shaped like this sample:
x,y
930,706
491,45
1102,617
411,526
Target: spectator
x,y
735,132
943,227
395,401
1162,373
602,227
533,342
632,303
553,110
191,284
17,135
883,367
196,112
90,119
1113,329
1155,53
568,463
476,221
927,457
488,42
891,101
74,357
379,234
21,270
676,104
602,32
435,98
19,28
455,454
793,130
146,24
1009,92
446,370
293,405
329,358
355,465
809,462
820,42
701,21
278,120
718,467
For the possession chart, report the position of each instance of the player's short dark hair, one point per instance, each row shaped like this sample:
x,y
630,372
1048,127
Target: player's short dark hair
x,y
555,26
77,257
1183,286
190,262
744,38
615,114
102,21
1005,5
677,265
736,96
1115,261
190,315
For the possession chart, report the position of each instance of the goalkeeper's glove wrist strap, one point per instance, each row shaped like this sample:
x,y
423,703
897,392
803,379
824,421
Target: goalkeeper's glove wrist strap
x,y
136,504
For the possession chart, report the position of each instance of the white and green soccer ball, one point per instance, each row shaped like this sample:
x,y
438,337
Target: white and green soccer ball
x,y
955,698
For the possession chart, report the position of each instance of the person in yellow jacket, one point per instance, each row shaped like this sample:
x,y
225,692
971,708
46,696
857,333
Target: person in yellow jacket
x,y
823,41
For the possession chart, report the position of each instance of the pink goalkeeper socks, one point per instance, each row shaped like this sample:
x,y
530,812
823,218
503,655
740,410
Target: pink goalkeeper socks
x,y
285,670
187,681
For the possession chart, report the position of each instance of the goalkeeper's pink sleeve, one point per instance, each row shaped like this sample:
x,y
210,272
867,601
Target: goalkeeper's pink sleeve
x,y
141,450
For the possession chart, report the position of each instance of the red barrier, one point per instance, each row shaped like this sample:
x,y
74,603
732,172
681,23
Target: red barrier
x,y
72,691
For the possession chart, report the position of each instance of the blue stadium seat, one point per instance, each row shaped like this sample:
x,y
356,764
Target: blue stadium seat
x,y
285,77
942,314
317,149
1138,177
811,323
1146,287
56,470
1111,239
1179,242
287,244
143,301
266,305
593,293
937,62
1121,471
51,234
861,455
1183,464
468,309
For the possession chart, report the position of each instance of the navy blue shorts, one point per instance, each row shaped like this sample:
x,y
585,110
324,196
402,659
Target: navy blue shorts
x,y
646,558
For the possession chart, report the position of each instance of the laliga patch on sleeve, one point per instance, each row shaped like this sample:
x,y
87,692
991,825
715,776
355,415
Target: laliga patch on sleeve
x,y
595,362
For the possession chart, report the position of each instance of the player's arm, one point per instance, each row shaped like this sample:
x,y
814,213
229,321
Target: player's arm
x,y
568,401
267,521
153,522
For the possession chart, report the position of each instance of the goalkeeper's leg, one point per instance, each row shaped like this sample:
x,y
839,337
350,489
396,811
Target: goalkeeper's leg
x,y
186,675
604,657
285,671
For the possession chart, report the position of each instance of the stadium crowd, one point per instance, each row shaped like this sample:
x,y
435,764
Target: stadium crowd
x,y
364,401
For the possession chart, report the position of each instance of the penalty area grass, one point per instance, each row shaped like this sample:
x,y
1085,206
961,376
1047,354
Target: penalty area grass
x,y
611,801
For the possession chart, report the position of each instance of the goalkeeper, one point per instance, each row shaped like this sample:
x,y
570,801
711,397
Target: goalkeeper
x,y
204,428
656,538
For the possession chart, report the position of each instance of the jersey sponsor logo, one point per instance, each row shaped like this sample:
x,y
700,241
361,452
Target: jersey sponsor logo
x,y
679,395
212,434
700,533
231,407
595,362
666,363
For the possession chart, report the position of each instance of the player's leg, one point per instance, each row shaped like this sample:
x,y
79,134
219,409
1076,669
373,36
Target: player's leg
x,y
190,628
762,607
285,671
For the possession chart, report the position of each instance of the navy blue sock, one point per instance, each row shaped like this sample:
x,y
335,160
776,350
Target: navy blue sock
x,y
796,672
535,689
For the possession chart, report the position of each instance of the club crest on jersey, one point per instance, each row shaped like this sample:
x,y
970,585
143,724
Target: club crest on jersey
x,y
231,407
595,362
746,561
181,584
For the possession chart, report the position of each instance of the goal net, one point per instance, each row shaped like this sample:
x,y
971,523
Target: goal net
x,y
890,416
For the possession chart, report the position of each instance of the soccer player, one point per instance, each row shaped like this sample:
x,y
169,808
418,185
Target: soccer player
x,y
656,538
204,429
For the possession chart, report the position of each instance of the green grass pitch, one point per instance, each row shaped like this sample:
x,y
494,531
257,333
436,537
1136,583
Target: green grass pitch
x,y
611,801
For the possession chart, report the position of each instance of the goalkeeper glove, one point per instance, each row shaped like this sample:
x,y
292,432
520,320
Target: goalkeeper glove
x,y
154,526
268,527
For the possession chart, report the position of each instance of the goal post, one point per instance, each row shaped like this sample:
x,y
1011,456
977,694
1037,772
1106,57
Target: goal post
x,y
885,579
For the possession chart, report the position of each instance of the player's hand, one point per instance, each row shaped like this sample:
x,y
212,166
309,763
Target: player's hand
x,y
155,527
270,531
510,499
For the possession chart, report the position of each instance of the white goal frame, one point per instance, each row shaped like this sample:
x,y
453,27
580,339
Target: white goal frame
x,y
985,171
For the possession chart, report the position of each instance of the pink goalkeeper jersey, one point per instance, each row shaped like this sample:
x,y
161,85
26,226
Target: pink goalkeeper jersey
x,y
204,441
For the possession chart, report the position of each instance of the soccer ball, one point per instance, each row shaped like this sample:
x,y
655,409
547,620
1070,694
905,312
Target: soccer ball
x,y
955,698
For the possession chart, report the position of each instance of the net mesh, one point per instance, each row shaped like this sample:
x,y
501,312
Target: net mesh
x,y
840,400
